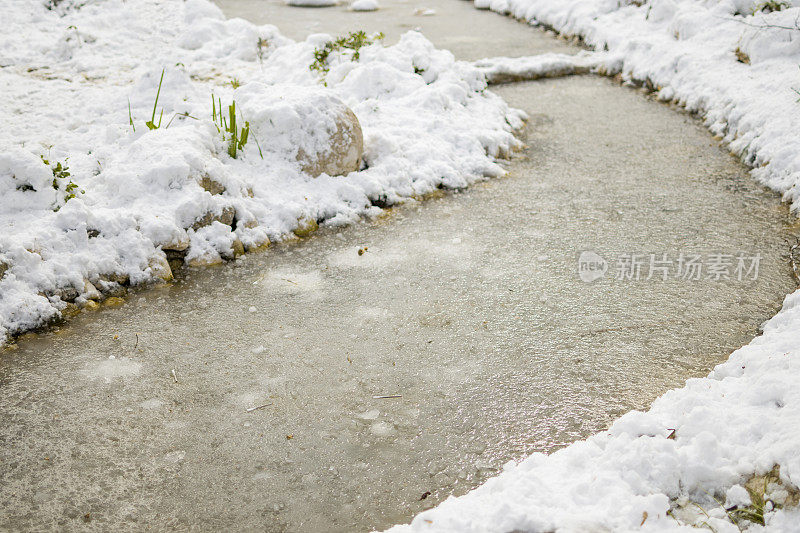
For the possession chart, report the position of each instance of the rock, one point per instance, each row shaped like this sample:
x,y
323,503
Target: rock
x,y
67,294
110,288
160,268
70,310
204,261
115,277
212,186
258,247
344,150
238,248
176,255
177,244
90,305
225,217
3,268
306,227
90,292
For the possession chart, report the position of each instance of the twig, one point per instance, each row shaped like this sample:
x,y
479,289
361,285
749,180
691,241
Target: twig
x,y
764,25
251,409
137,342
384,396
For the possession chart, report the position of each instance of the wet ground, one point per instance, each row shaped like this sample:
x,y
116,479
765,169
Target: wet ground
x,y
468,306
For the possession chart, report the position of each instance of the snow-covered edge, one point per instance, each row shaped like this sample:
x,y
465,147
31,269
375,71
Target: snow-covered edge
x,y
67,71
709,437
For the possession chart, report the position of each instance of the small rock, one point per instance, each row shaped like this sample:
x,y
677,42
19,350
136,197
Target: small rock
x,y
177,244
238,248
212,186
306,227
90,305
90,292
160,267
209,259
344,151
257,246
109,288
67,294
225,217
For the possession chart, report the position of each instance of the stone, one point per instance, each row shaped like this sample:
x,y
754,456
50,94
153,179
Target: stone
x,y
90,292
70,310
90,305
160,268
306,227
257,246
211,185
225,217
110,288
344,151
115,277
205,261
3,268
177,244
67,294
238,248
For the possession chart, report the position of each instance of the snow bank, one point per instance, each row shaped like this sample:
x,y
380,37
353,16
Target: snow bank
x,y
699,445
364,5
510,69
68,74
735,65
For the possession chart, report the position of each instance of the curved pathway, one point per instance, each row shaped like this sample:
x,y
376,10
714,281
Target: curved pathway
x,y
468,306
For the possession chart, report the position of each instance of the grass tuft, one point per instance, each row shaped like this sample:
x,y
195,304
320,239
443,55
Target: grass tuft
x,y
353,42
771,5
227,127
151,123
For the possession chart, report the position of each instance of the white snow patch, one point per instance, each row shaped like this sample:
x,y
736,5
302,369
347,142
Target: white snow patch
x,y
364,5
312,3
112,369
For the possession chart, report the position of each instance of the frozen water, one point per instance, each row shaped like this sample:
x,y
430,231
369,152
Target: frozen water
x,y
494,344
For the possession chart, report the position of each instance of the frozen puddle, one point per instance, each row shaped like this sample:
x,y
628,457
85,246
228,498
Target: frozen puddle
x,y
469,307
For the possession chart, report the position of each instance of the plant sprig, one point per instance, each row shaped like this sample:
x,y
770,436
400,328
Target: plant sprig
x,y
353,41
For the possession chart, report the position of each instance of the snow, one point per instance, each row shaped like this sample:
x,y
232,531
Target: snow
x,y
364,5
697,446
552,65
312,3
68,74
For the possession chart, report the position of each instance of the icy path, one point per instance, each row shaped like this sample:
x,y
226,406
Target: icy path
x,y
467,305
